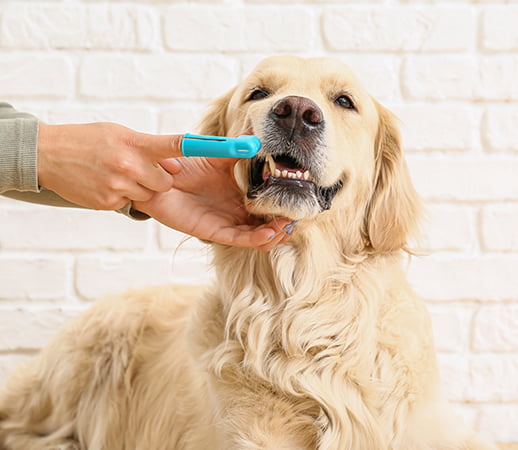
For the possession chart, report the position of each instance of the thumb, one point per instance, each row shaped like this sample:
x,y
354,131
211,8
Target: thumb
x,y
161,146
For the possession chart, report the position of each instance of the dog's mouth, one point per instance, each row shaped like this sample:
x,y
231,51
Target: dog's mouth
x,y
288,183
284,166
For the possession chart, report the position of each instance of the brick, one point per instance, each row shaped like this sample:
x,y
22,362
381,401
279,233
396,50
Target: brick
x,y
227,28
378,74
138,118
180,118
437,127
499,422
497,78
398,28
44,26
156,76
32,277
496,328
460,77
70,229
451,326
10,361
499,31
499,129
449,228
23,329
479,378
499,225
35,75
455,374
100,275
439,77
448,278
447,179
493,379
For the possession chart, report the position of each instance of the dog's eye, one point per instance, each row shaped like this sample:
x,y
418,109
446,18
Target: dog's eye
x,y
258,94
344,101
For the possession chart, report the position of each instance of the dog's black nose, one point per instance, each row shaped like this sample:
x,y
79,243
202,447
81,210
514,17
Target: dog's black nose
x,y
297,113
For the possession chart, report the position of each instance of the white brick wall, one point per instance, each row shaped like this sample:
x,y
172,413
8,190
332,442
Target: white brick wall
x,y
448,68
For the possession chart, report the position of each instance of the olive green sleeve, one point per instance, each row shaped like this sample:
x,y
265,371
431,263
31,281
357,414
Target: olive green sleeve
x,y
18,150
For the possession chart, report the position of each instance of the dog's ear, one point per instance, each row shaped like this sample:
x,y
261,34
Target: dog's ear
x,y
213,122
394,208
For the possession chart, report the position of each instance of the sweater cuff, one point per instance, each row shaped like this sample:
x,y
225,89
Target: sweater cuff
x,y
128,210
19,155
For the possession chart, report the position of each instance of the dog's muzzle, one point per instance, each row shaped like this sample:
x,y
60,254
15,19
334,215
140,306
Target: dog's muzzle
x,y
292,160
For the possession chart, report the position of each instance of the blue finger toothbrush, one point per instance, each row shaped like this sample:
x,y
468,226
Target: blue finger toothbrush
x,y
245,146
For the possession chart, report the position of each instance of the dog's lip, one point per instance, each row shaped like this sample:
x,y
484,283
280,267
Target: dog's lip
x,y
291,182
270,180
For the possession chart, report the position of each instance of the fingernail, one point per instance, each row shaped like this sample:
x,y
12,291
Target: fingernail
x,y
177,162
272,236
290,225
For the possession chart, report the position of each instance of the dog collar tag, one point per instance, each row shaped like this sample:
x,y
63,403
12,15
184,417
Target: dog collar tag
x,y
245,146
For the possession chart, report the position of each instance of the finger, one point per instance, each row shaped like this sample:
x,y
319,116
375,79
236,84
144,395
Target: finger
x,y
156,178
283,229
264,237
277,239
139,193
173,166
160,146
253,238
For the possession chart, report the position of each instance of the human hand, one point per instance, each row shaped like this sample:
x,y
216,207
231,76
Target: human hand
x,y
103,165
206,203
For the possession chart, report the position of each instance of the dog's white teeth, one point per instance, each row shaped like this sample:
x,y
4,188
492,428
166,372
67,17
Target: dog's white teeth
x,y
270,168
271,164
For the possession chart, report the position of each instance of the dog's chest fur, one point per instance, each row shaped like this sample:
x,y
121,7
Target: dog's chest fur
x,y
291,332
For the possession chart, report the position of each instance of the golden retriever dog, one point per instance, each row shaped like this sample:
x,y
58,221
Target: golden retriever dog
x,y
318,344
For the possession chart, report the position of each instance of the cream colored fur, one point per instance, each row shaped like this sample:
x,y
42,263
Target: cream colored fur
x,y
318,344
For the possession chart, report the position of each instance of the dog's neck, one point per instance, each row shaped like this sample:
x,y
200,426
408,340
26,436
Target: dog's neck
x,y
297,269
300,309
263,294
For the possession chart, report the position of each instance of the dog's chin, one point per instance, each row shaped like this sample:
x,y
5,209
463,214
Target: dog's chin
x,y
278,188
294,199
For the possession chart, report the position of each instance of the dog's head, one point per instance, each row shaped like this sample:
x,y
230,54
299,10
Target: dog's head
x,y
330,151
